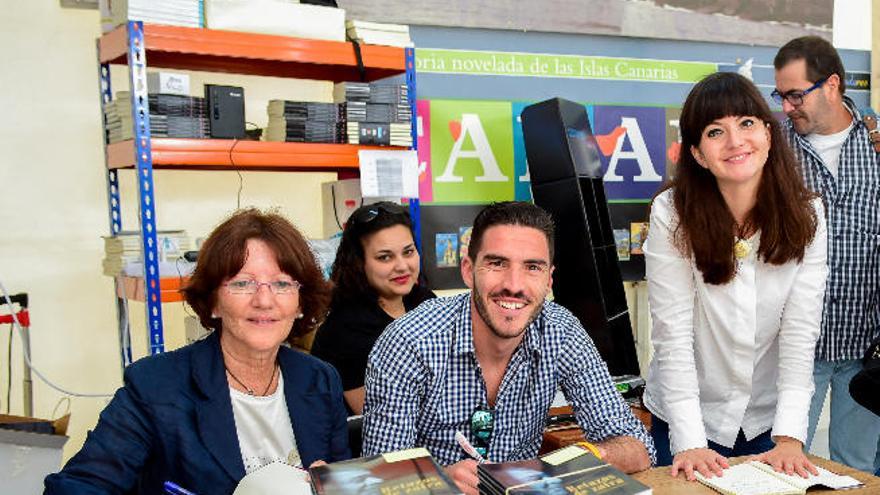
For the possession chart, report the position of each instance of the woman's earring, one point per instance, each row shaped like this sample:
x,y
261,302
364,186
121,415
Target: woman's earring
x,y
214,316
299,316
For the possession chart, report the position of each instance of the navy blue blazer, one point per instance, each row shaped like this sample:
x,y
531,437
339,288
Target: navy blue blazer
x,y
172,421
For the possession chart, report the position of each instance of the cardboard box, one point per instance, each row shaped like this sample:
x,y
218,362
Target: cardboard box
x,y
27,458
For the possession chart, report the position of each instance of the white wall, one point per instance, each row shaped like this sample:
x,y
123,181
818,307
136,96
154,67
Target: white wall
x,y
53,202
852,24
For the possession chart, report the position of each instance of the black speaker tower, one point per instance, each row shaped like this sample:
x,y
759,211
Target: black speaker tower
x,y
566,177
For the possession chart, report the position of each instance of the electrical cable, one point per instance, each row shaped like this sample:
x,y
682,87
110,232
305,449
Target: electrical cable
x,y
27,356
240,178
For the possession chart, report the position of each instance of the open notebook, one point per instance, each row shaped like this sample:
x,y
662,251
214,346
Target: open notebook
x,y
757,478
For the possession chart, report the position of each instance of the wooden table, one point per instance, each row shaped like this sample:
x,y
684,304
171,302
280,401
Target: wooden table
x,y
664,484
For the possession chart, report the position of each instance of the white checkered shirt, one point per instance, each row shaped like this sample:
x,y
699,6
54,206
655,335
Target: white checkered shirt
x,y
851,317
424,382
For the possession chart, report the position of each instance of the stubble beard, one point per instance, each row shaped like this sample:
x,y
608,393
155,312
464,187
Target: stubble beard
x,y
483,311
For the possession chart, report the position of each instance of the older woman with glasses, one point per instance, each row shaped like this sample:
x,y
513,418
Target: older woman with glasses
x,y
375,278
203,416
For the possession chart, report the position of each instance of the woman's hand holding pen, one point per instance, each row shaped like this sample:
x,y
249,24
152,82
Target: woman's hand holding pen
x,y
464,474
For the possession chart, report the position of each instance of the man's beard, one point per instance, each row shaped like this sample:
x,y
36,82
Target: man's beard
x,y
483,311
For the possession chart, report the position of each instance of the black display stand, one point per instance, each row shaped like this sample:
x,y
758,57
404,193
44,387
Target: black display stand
x,y
566,177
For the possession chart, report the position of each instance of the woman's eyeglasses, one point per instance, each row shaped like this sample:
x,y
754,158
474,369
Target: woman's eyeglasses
x,y
370,213
482,424
250,286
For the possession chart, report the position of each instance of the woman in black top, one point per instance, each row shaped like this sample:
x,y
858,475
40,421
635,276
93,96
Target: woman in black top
x,y
375,277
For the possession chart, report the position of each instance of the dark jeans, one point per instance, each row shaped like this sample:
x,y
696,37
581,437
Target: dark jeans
x,y
660,433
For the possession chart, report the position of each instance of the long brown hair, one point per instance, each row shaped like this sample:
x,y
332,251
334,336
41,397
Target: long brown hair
x,y
706,226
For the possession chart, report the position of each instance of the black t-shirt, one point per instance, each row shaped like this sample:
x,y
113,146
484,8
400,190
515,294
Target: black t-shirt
x,y
346,337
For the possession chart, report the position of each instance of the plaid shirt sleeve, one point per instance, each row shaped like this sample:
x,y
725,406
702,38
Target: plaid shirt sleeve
x,y
394,385
600,409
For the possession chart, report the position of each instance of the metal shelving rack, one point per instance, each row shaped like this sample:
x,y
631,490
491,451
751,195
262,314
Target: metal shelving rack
x,y
221,51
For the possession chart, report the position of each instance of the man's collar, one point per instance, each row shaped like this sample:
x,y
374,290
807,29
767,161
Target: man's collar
x,y
851,107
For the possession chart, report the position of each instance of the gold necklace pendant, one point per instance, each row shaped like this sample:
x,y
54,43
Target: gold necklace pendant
x,y
741,248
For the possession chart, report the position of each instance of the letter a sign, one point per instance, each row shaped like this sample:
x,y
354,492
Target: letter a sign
x,y
635,167
471,151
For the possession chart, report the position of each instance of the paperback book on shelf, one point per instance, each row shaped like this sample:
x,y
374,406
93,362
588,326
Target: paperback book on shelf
x,y
379,134
569,471
410,472
757,478
377,33
125,248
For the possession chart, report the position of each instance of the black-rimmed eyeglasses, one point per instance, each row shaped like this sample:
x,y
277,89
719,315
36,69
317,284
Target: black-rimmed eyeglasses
x,y
796,98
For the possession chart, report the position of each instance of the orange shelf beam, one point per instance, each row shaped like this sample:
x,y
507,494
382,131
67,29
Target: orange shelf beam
x,y
228,154
175,47
132,288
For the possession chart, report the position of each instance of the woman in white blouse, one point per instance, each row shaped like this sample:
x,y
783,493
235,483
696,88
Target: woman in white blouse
x,y
736,268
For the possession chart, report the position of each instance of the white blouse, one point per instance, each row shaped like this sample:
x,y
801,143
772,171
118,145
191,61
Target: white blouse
x,y
733,356
265,434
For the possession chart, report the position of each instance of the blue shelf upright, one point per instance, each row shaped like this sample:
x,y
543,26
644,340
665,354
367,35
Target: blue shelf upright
x,y
115,217
140,115
414,208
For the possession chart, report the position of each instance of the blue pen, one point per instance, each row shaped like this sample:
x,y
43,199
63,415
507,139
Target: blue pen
x,y
173,488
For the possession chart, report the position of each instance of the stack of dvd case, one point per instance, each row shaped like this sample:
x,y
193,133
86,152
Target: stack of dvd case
x,y
375,113
304,121
172,116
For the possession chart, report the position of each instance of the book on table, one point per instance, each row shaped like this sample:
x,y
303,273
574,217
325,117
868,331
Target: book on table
x,y
757,478
568,471
407,472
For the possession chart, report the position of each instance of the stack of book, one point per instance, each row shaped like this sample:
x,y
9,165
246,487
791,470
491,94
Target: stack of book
x,y
124,250
172,116
170,12
410,472
376,33
570,470
304,121
375,113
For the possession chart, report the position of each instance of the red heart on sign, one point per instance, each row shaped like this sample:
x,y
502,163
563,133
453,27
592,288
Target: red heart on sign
x,y
455,129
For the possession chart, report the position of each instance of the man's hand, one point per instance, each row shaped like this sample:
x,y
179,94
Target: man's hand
x,y
464,474
788,457
704,460
625,453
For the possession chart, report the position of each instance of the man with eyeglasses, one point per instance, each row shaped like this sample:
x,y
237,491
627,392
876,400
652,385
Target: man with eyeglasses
x,y
487,364
833,145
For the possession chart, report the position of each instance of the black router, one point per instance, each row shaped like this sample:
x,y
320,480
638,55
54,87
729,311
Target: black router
x,y
225,111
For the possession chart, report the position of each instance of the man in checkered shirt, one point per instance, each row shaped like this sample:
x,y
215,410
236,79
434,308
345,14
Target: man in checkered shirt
x,y
500,350
839,162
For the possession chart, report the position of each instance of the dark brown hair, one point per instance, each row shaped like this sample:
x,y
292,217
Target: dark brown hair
x,y
348,277
518,213
223,255
821,58
706,226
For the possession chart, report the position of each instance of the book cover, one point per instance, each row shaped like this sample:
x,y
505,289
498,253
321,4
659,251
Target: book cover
x,y
569,471
412,472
